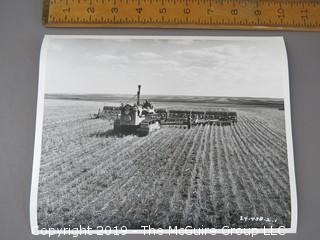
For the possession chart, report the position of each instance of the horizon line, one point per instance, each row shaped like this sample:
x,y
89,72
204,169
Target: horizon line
x,y
180,95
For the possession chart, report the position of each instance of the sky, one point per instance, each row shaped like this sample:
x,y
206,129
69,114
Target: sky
x,y
216,67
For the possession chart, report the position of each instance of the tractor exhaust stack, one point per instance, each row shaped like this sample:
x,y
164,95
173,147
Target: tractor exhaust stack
x,y
138,95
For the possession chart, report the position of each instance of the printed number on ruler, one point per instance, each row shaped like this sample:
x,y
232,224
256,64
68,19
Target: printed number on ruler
x,y
214,14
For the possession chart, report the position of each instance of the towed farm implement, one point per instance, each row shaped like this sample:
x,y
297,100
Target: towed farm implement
x,y
143,118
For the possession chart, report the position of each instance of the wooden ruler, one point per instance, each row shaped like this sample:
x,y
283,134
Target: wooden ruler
x,y
301,15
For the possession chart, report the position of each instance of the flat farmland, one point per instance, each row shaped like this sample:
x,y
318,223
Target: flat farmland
x,y
207,176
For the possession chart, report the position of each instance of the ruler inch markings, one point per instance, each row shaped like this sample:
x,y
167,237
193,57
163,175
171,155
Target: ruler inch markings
x,y
299,15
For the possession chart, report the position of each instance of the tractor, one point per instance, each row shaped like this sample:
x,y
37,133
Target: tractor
x,y
137,118
142,118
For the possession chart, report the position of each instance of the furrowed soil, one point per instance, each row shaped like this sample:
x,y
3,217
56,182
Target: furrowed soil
x,y
207,176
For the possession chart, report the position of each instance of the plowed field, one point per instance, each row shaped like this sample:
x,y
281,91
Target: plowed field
x,y
207,176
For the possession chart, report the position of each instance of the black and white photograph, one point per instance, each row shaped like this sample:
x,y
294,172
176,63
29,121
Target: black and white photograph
x,y
165,132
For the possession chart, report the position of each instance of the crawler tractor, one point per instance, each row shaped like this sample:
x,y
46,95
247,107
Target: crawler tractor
x,y
137,118
141,119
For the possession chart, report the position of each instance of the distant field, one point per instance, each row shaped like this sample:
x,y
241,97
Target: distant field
x,y
207,175
163,100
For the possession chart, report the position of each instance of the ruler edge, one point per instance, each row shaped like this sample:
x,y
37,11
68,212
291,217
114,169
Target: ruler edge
x,y
46,23
181,26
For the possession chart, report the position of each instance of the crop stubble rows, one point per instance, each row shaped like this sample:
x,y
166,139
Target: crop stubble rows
x,y
208,176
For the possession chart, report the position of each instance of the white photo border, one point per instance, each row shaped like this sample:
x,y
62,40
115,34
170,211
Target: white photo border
x,y
39,124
